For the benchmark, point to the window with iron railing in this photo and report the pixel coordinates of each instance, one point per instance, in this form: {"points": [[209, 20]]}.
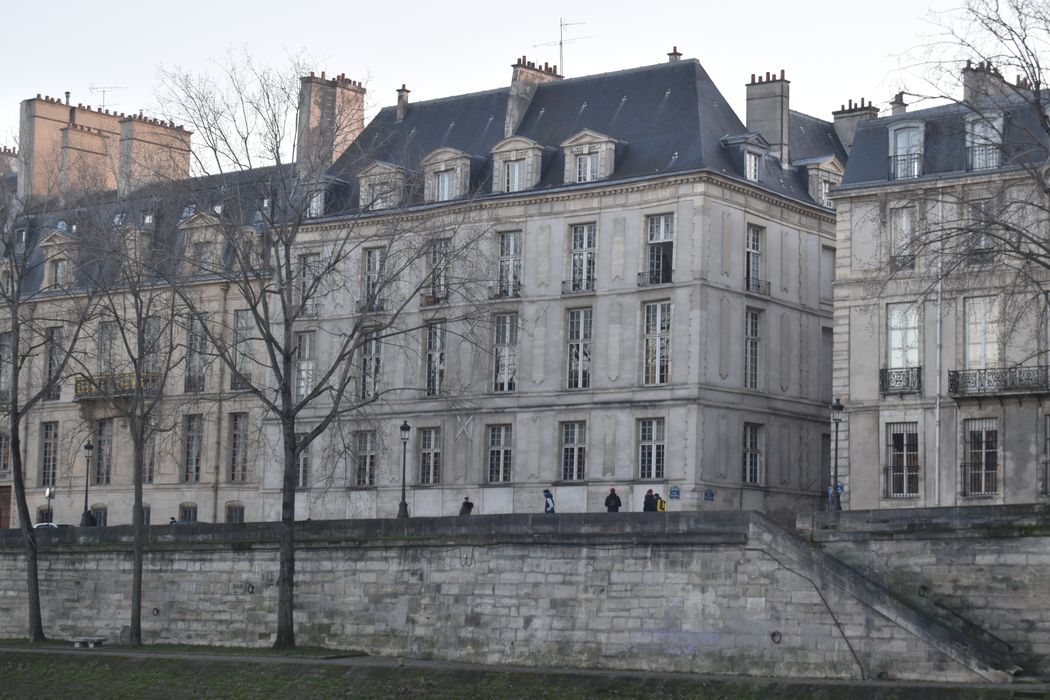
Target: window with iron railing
{"points": [[980, 471], [902, 460]]}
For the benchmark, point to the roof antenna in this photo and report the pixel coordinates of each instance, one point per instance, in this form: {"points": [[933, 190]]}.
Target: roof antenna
{"points": [[104, 89], [560, 43]]}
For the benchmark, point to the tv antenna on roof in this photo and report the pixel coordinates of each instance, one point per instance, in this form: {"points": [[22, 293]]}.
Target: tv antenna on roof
{"points": [[560, 43], [104, 89]]}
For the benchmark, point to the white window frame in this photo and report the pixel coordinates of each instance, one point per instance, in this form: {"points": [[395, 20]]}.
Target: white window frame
{"points": [[902, 336], [509, 278], [981, 327], [578, 351], [588, 166], [501, 453], [752, 455], [906, 155], [903, 467], [192, 447], [651, 448], [102, 460], [514, 175], [573, 450], [445, 185], [302, 463], [752, 349], [371, 351], [430, 455], [434, 339], [751, 162], [375, 258], [365, 458], [505, 352], [238, 450], [659, 248], [656, 343], [48, 453], [305, 359], [753, 256], [583, 241]]}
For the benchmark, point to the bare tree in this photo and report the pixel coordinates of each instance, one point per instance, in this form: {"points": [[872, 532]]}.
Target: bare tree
{"points": [[321, 290]]}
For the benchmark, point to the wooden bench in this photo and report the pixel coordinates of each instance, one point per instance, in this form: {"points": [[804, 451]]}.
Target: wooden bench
{"points": [[88, 642]]}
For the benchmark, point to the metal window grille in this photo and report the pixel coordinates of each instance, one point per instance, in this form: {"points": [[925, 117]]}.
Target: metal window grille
{"points": [[981, 451], [902, 460]]}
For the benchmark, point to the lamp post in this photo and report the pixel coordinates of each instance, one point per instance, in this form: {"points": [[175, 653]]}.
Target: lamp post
{"points": [[87, 519], [402, 509], [49, 493], [835, 500]]}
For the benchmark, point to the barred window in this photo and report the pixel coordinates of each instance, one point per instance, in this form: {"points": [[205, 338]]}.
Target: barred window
{"points": [[234, 513], [188, 513], [752, 473], [238, 446], [365, 457], [902, 460], [192, 446], [651, 448], [981, 452], [752, 348], [430, 456], [573, 451], [500, 453]]}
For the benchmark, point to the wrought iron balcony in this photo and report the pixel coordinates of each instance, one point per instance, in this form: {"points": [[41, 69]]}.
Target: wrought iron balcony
{"points": [[506, 291], [371, 306], [651, 278], [905, 167], [900, 380], [578, 285], [112, 386], [433, 298], [984, 157], [999, 380], [757, 286]]}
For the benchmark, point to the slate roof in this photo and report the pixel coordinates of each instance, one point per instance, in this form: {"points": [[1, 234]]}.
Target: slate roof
{"points": [[666, 118], [944, 141]]}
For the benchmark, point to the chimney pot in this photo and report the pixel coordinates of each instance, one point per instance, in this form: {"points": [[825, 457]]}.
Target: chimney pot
{"points": [[781, 73]]}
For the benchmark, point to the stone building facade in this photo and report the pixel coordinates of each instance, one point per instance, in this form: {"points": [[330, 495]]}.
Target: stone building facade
{"points": [[940, 325], [653, 285]]}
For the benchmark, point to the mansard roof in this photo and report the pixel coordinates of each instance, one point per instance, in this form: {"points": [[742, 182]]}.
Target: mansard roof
{"points": [[666, 118]]}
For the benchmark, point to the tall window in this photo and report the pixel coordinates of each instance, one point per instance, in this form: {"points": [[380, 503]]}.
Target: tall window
{"points": [[53, 343], [982, 332], [751, 166], [444, 185], [906, 161], [242, 349], [381, 195], [107, 345], [315, 207], [430, 456], [435, 343], [188, 513], [101, 515], [374, 259], [48, 453], [509, 283], [903, 224], [365, 457], [505, 351], [500, 453], [981, 452], [234, 513], [150, 352], [370, 365], [651, 448], [308, 289], [579, 350], [573, 451], [752, 468], [581, 257], [302, 464], [149, 457], [902, 336], [513, 175], [304, 364], [58, 273], [587, 167], [753, 260], [192, 446], [196, 347], [752, 349], [902, 460], [660, 253], [984, 217], [7, 358], [657, 350], [238, 446], [983, 143], [439, 263], [5, 455], [103, 451]]}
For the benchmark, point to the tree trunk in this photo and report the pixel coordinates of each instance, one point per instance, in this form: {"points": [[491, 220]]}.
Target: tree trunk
{"points": [[36, 624], [286, 578], [138, 440]]}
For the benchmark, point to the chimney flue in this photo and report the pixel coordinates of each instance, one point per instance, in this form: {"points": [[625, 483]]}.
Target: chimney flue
{"points": [[402, 102], [674, 55]]}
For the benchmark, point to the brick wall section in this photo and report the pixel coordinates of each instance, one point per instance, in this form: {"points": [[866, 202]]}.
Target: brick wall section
{"points": [[717, 592], [984, 569]]}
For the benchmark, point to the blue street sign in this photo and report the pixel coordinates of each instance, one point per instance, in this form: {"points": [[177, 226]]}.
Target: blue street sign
{"points": [[675, 492], [709, 495], [840, 487]]}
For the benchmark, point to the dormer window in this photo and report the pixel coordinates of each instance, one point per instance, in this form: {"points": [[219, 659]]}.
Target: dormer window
{"points": [[316, 207], [906, 152], [444, 185], [517, 163], [446, 175], [984, 143], [589, 156], [147, 218], [380, 186], [587, 167], [379, 196], [514, 175], [57, 273], [751, 160]]}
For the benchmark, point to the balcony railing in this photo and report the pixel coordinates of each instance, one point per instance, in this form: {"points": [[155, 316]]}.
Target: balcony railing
{"points": [[578, 285], [900, 380], [433, 298], [999, 380], [980, 479], [370, 306], [905, 167], [110, 386], [652, 278], [757, 286], [983, 157], [506, 291]]}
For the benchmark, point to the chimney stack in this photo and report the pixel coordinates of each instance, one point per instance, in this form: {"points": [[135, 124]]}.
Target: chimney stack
{"points": [[848, 117], [523, 83], [768, 112], [331, 115], [674, 55], [402, 102], [897, 104], [983, 81]]}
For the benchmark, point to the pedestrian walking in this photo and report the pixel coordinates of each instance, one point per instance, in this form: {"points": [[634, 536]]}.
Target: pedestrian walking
{"points": [[467, 506], [661, 504], [612, 502], [548, 501], [649, 504]]}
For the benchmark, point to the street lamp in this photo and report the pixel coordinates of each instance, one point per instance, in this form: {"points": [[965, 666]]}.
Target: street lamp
{"points": [[87, 519], [835, 500], [49, 493], [402, 509]]}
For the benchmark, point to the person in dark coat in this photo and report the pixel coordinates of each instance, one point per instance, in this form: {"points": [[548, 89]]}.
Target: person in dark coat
{"points": [[612, 502], [649, 504], [548, 501], [467, 506]]}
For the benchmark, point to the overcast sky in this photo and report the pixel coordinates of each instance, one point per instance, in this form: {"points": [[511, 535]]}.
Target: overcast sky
{"points": [[831, 51]]}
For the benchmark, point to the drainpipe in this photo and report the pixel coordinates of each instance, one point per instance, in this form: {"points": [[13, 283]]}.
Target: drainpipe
{"points": [[218, 418], [940, 346]]}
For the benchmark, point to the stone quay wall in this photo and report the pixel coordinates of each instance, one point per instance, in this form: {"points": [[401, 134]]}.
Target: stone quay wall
{"points": [[722, 592]]}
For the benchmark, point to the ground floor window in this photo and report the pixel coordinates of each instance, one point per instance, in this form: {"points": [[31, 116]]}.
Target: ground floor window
{"points": [[902, 460], [981, 452]]}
